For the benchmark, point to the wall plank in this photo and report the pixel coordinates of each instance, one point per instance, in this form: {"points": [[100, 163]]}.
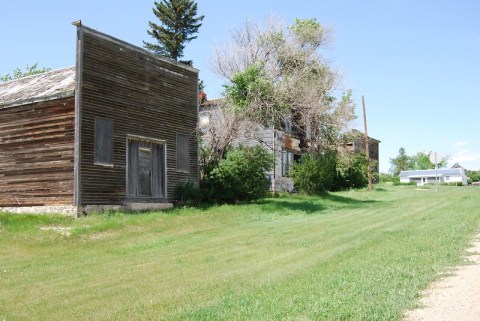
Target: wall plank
{"points": [[36, 154], [143, 96]]}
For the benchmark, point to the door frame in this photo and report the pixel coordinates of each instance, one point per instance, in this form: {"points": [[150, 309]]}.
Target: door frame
{"points": [[150, 140]]}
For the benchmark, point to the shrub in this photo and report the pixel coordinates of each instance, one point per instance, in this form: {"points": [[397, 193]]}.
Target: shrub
{"points": [[384, 177], [188, 192], [351, 172], [315, 173], [238, 177]]}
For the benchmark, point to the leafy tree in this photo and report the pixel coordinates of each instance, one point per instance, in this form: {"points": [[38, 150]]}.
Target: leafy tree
{"points": [[421, 160], [29, 70], [400, 163], [179, 23], [473, 176], [274, 72]]}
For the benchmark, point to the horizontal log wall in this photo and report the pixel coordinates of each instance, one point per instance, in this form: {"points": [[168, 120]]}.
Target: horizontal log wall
{"points": [[144, 96], [36, 154]]}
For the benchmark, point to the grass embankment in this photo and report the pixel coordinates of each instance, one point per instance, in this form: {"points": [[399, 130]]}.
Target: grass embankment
{"points": [[344, 256]]}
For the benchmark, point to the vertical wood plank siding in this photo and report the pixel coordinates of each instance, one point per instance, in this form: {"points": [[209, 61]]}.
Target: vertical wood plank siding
{"points": [[36, 154], [144, 96]]}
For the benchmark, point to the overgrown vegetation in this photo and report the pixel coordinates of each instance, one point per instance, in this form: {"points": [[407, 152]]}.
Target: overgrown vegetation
{"points": [[240, 176], [315, 173], [273, 73], [473, 176], [345, 256], [319, 172]]}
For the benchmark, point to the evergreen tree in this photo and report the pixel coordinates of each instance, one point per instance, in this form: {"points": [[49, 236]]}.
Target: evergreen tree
{"points": [[179, 23]]}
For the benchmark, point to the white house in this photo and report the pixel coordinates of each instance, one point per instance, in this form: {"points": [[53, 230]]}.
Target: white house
{"points": [[429, 176]]}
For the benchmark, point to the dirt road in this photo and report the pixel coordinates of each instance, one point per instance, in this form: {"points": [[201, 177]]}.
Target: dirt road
{"points": [[456, 297]]}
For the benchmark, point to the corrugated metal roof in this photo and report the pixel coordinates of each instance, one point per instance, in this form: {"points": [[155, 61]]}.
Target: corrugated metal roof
{"points": [[49, 85], [431, 172]]}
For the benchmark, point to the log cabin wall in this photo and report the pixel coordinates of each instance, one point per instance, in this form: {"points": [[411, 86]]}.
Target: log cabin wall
{"points": [[36, 153], [143, 95]]}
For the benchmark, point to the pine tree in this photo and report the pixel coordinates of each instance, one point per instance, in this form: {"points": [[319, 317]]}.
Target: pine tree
{"points": [[179, 23]]}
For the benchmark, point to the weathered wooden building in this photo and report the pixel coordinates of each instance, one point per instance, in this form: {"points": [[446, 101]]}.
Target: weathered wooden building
{"points": [[286, 144], [118, 129], [282, 143], [357, 144]]}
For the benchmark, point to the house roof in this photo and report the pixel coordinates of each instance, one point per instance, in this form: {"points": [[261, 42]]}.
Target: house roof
{"points": [[45, 86], [431, 172], [358, 134], [457, 165]]}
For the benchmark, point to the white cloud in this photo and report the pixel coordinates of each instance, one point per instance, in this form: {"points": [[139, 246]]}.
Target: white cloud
{"points": [[461, 143], [466, 158]]}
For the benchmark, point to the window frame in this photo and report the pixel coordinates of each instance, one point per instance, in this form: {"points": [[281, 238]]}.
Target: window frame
{"points": [[288, 158], [158, 178]]}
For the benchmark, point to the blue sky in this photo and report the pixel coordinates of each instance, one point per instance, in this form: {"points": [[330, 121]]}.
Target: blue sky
{"points": [[416, 62]]}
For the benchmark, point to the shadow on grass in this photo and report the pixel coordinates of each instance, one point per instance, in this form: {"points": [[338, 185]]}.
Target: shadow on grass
{"points": [[310, 204], [345, 200], [284, 204]]}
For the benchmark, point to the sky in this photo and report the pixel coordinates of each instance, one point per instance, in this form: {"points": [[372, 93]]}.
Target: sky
{"points": [[417, 63]]}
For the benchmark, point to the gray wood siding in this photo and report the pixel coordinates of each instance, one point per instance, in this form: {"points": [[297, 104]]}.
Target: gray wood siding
{"points": [[143, 96], [36, 154]]}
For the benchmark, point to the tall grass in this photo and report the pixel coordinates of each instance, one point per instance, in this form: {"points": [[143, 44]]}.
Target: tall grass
{"points": [[344, 256]]}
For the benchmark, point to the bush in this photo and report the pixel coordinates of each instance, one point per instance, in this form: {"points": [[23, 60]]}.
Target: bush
{"points": [[239, 177], [385, 178], [315, 173], [188, 193], [351, 172]]}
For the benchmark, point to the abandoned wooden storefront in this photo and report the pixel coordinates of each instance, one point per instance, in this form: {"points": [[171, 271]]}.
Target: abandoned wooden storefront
{"points": [[116, 130]]}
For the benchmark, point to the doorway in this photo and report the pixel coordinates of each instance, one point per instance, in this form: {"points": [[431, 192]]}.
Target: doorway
{"points": [[145, 168]]}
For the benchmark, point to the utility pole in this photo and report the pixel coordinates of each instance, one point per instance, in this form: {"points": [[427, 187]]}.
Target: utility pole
{"points": [[274, 190], [367, 147]]}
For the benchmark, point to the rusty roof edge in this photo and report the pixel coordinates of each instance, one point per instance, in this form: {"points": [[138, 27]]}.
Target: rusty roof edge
{"points": [[65, 94]]}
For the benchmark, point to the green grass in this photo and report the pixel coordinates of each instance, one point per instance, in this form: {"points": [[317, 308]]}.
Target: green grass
{"points": [[343, 256]]}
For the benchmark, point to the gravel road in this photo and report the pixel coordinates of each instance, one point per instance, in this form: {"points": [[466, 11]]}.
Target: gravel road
{"points": [[456, 297]]}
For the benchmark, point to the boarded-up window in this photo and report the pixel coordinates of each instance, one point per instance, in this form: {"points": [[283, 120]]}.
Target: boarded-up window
{"points": [[183, 151], [103, 141]]}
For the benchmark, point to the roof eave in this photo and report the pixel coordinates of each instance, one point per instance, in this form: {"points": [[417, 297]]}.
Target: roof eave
{"points": [[65, 94]]}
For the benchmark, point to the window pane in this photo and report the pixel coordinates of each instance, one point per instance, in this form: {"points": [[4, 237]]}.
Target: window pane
{"points": [[103, 141], [183, 149]]}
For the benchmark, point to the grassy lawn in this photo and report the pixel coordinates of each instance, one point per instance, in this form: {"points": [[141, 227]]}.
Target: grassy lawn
{"points": [[344, 256]]}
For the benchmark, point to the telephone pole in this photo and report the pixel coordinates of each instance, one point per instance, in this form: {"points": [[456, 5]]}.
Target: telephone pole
{"points": [[367, 147]]}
